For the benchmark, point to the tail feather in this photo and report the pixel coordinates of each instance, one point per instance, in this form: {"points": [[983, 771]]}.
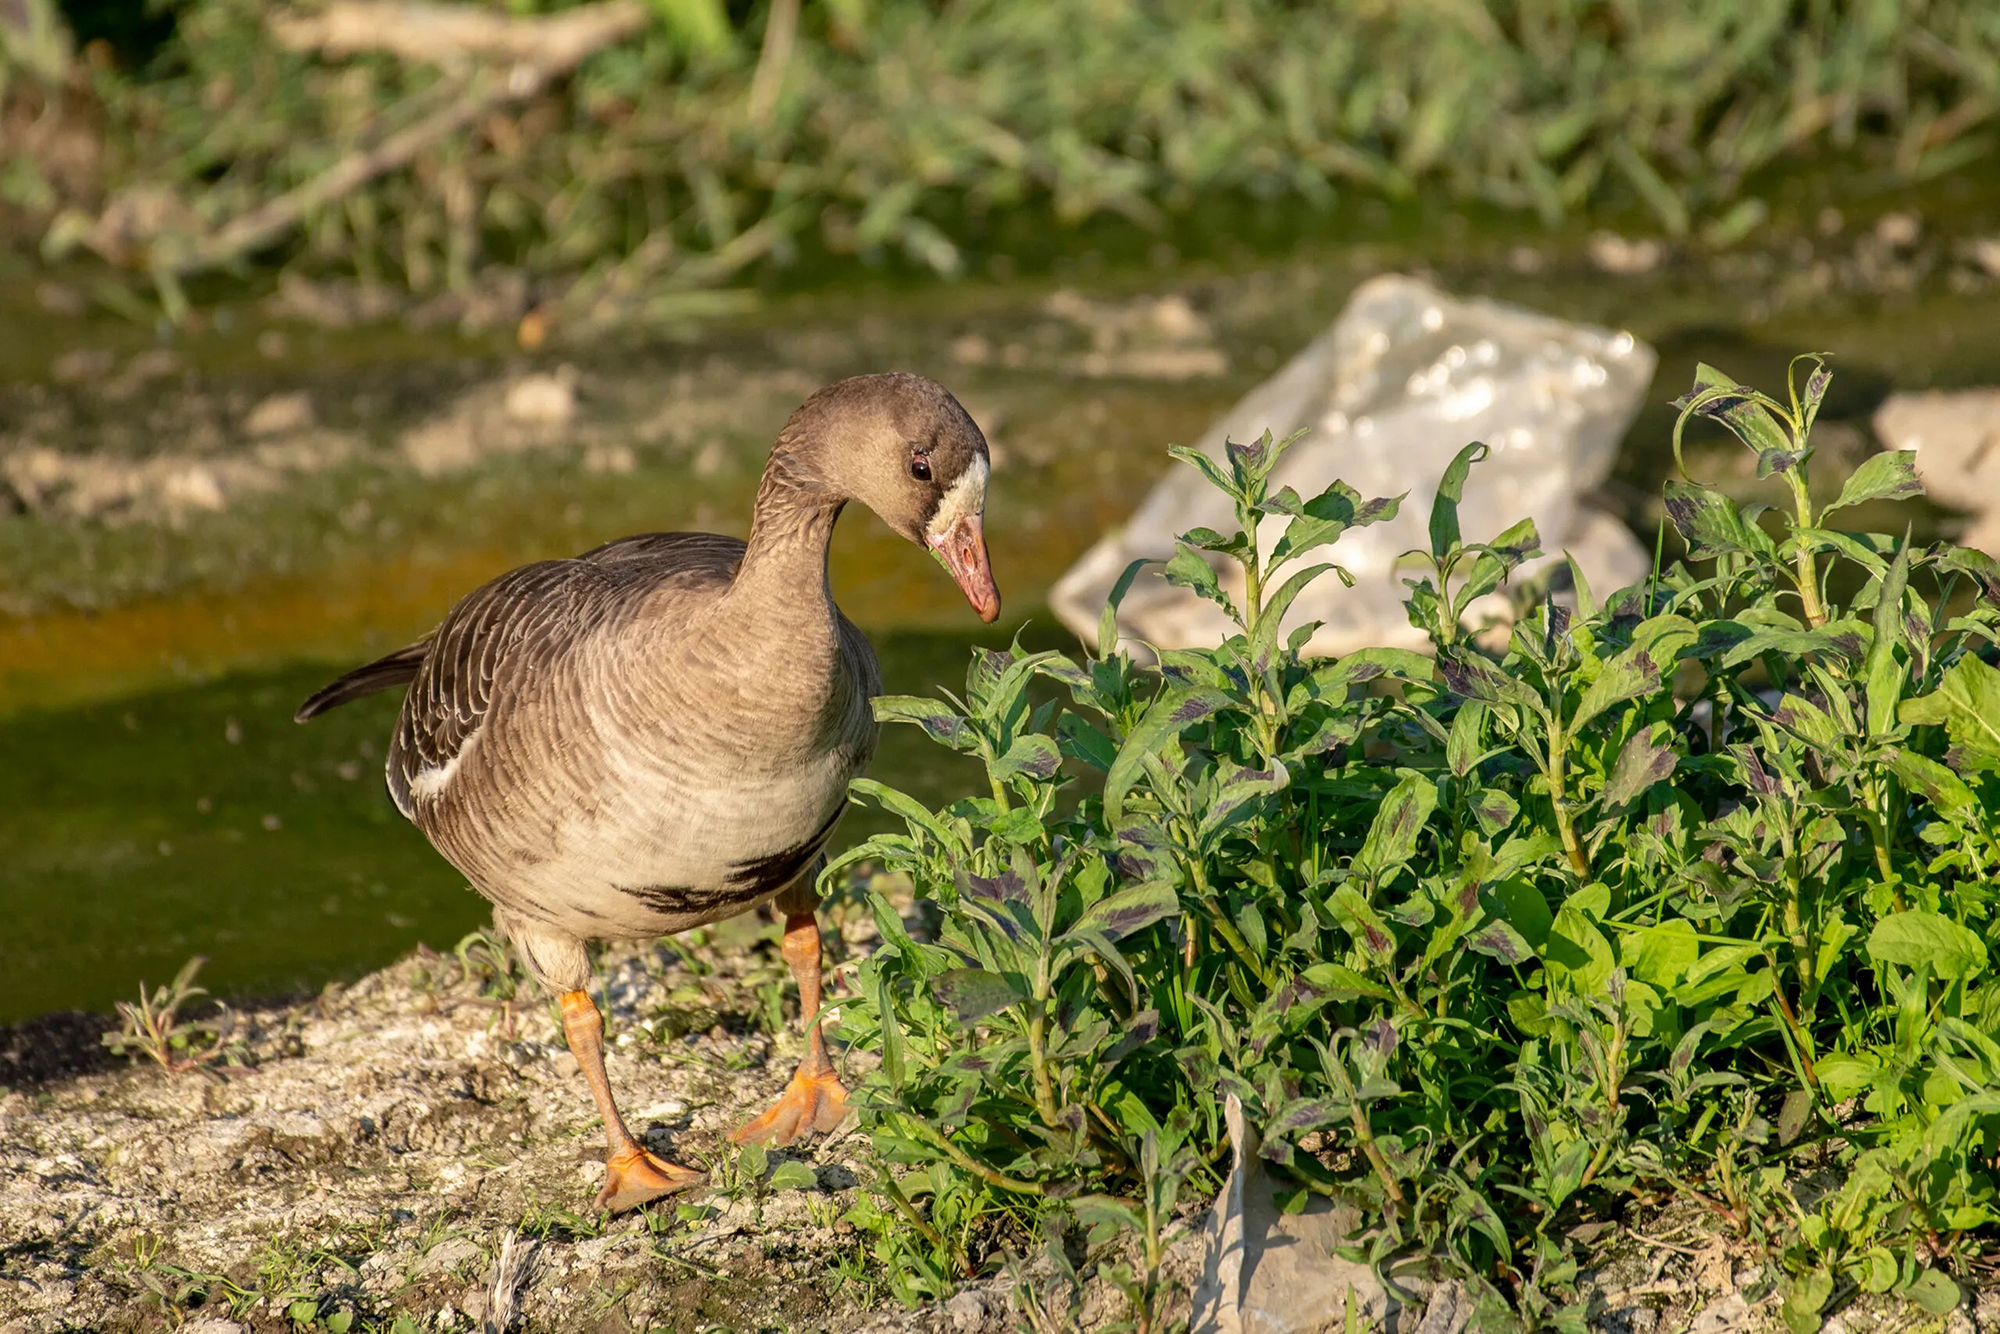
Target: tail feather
{"points": [[398, 669]]}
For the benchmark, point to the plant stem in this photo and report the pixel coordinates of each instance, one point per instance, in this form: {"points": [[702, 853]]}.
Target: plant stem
{"points": [[1366, 1139], [973, 1165], [1038, 1018], [1557, 774], [1803, 558]]}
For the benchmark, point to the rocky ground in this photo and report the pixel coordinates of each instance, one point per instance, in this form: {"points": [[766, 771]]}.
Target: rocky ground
{"points": [[416, 1152]]}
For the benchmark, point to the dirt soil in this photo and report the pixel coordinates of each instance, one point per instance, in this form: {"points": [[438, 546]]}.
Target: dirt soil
{"points": [[416, 1151]]}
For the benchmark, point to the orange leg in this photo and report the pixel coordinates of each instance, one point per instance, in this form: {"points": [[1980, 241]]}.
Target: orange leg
{"points": [[632, 1176], [815, 1099]]}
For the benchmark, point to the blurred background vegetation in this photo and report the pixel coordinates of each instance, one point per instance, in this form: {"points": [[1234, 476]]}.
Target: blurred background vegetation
{"points": [[182, 140]]}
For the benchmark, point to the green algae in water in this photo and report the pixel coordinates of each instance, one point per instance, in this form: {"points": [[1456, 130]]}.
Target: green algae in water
{"points": [[203, 820]]}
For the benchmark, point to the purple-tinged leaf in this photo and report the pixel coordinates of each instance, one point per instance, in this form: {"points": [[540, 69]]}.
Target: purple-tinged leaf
{"points": [[1007, 887], [1140, 1029], [1640, 764], [1131, 909], [1305, 1114], [1502, 942], [972, 994], [1031, 757], [1890, 475]]}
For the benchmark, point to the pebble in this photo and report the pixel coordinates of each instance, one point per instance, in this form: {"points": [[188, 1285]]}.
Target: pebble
{"points": [[1617, 254], [543, 399], [1899, 230], [280, 414]]}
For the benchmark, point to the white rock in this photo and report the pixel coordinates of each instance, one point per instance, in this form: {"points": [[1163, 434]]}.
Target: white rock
{"points": [[967, 1311], [213, 1324], [1956, 436], [1267, 1272], [1405, 378]]}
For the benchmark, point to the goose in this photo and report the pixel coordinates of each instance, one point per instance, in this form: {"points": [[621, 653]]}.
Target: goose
{"points": [[660, 733]]}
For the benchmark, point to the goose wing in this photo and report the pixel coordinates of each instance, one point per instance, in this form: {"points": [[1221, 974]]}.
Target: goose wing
{"points": [[518, 627]]}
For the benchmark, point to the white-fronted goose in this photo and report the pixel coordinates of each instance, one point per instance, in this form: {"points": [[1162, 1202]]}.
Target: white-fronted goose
{"points": [[660, 733]]}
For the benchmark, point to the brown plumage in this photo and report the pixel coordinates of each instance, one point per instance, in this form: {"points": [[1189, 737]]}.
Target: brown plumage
{"points": [[660, 733]]}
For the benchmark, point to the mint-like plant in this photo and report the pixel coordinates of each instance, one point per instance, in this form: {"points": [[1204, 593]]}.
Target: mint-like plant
{"points": [[1687, 891]]}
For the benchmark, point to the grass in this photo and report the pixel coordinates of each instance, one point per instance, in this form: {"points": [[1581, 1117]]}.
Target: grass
{"points": [[718, 139], [1685, 892]]}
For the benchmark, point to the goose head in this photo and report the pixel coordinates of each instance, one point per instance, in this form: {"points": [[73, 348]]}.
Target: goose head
{"points": [[901, 445]]}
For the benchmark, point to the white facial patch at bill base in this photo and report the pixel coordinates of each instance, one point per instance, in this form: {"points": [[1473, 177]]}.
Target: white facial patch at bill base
{"points": [[965, 500]]}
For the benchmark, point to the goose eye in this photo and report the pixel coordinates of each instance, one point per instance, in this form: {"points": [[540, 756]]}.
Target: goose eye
{"points": [[920, 468]]}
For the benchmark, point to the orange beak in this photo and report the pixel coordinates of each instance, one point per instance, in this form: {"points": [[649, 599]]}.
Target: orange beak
{"points": [[962, 550]]}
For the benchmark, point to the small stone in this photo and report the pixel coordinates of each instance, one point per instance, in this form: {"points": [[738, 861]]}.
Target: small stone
{"points": [[280, 414], [272, 345], [213, 1324], [710, 459], [81, 363], [1985, 252], [967, 1311], [1900, 230], [194, 486], [153, 364], [1616, 254], [1956, 437], [614, 459], [972, 349], [543, 399], [442, 446], [1173, 317], [57, 299]]}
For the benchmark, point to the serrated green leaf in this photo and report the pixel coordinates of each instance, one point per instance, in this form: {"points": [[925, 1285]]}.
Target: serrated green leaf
{"points": [[1129, 910], [1920, 937], [972, 994], [1711, 524], [941, 721], [1031, 756], [1451, 489], [1642, 762], [1967, 704], [793, 1175], [1107, 620], [1398, 823], [1891, 475]]}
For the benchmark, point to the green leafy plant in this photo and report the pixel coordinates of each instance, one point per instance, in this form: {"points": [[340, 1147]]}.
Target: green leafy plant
{"points": [[1687, 890], [154, 1029], [718, 136]]}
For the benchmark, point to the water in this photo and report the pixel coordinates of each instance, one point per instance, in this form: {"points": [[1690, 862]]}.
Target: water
{"points": [[160, 802]]}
